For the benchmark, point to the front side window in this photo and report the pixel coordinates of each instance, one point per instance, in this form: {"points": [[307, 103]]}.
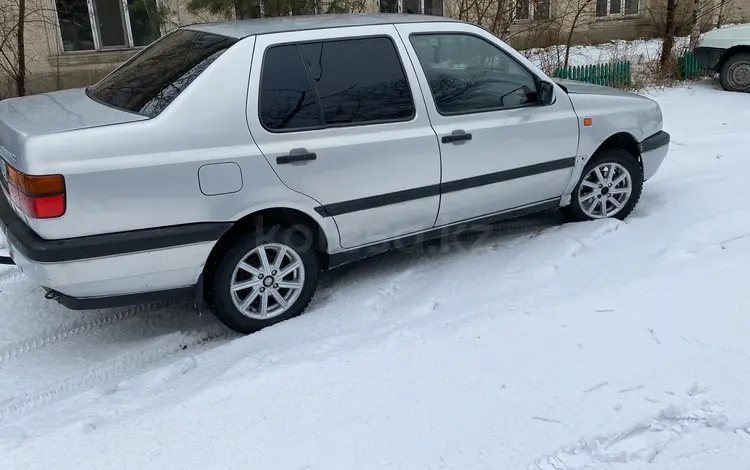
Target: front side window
{"points": [[333, 83], [468, 74], [150, 81], [116, 24]]}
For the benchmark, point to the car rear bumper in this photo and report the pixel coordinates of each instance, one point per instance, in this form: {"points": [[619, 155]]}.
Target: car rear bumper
{"points": [[708, 57], [654, 150], [113, 269]]}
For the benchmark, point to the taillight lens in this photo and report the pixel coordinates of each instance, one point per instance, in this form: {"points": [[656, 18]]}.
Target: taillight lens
{"points": [[41, 197]]}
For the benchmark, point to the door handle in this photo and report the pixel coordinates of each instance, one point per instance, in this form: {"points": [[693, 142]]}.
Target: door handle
{"points": [[295, 156], [459, 135]]}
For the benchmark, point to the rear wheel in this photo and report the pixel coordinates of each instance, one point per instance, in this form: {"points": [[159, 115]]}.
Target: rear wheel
{"points": [[610, 186], [263, 278], [735, 73]]}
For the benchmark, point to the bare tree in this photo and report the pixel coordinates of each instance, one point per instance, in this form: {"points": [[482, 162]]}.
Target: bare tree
{"points": [[15, 17], [695, 30]]}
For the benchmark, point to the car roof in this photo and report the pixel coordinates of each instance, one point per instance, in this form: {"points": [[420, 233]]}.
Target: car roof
{"points": [[242, 28]]}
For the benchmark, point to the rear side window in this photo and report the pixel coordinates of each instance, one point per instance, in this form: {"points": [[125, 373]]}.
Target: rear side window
{"points": [[287, 100], [352, 81], [151, 80]]}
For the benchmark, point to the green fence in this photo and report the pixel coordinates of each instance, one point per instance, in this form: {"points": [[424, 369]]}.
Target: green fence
{"points": [[688, 65], [615, 74]]}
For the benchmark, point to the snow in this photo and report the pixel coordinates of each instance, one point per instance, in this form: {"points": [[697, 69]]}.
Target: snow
{"points": [[531, 345]]}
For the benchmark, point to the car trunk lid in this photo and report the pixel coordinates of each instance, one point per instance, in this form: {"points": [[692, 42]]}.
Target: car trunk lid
{"points": [[24, 118]]}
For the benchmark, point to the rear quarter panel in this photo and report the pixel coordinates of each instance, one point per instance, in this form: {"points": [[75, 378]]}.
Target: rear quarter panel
{"points": [[145, 174]]}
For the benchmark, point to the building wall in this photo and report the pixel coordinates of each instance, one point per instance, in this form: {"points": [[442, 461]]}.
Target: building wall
{"points": [[51, 68]]}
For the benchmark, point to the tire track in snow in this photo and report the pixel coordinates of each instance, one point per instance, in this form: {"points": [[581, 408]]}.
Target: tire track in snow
{"points": [[169, 345], [73, 329], [641, 443]]}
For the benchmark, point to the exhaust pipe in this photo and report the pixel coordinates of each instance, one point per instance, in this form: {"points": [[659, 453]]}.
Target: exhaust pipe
{"points": [[7, 260]]}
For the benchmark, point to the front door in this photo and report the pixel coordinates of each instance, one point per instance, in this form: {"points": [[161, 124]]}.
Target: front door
{"points": [[501, 148], [341, 120]]}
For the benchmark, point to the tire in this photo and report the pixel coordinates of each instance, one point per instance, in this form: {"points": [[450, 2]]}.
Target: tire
{"points": [[581, 209], [734, 74], [297, 248]]}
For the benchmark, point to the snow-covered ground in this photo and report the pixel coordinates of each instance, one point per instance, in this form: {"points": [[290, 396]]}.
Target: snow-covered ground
{"points": [[534, 345]]}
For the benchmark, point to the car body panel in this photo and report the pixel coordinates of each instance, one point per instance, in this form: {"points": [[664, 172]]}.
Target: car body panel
{"points": [[22, 119], [611, 112], [727, 37], [356, 162], [128, 174], [502, 140]]}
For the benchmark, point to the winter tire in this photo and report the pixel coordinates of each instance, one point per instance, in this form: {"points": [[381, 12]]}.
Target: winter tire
{"points": [[263, 278], [610, 186], [735, 73]]}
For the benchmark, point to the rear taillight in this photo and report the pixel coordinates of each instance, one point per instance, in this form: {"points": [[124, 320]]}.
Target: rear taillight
{"points": [[40, 197]]}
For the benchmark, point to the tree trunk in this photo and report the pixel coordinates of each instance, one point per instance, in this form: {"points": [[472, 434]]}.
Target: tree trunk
{"points": [[669, 26], [21, 72], [695, 31], [580, 10], [721, 13]]}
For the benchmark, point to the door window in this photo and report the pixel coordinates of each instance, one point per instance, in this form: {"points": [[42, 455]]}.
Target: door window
{"points": [[334, 83], [468, 74], [287, 100]]}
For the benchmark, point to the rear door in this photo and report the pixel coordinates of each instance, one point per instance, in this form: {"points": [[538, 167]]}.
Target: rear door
{"points": [[340, 118], [501, 148]]}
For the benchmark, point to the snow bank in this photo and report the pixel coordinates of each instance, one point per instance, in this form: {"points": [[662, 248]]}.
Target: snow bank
{"points": [[608, 345]]}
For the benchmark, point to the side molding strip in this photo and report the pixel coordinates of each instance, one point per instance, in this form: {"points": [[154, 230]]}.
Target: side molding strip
{"points": [[346, 207]]}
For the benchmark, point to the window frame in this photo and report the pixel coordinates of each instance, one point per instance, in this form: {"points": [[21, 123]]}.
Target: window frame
{"points": [[127, 29], [537, 79], [617, 16], [532, 14], [400, 4], [324, 126]]}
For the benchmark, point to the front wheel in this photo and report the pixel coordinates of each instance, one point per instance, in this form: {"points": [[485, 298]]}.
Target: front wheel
{"points": [[263, 278], [610, 186]]}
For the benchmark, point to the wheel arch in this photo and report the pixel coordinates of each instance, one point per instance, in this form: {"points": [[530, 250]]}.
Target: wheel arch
{"points": [[729, 53], [267, 217], [621, 140]]}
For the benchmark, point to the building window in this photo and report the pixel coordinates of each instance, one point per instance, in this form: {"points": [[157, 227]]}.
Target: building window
{"points": [[426, 7], [616, 8], [88, 25], [532, 10]]}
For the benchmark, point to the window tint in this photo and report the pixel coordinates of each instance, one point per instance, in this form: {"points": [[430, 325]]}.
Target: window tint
{"points": [[468, 74], [358, 80], [150, 81], [287, 100]]}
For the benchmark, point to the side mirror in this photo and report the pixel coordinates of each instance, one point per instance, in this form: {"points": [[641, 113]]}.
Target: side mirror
{"points": [[546, 93]]}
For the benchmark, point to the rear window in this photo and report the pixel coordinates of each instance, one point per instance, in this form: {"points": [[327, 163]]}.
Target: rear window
{"points": [[151, 80]]}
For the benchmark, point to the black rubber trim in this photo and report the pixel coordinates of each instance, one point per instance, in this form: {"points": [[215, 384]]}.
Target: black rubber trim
{"points": [[709, 57], [35, 248], [7, 260], [92, 303], [660, 139], [507, 175], [381, 200], [355, 254], [340, 208]]}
